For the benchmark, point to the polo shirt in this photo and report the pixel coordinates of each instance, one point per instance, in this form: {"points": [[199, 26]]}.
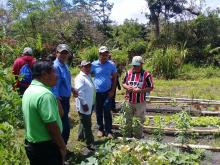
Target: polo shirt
{"points": [[39, 107], [63, 85], [103, 75]]}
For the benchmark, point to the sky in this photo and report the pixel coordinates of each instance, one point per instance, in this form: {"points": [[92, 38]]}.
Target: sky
{"points": [[135, 9]]}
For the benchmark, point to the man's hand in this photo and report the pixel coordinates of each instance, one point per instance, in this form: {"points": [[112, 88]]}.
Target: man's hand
{"points": [[85, 108], [129, 88], [75, 93], [63, 154], [137, 90], [111, 93]]}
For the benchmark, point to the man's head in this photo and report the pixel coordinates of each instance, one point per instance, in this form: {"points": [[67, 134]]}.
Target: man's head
{"points": [[86, 66], [45, 73], [63, 52], [103, 54], [137, 62], [28, 51]]}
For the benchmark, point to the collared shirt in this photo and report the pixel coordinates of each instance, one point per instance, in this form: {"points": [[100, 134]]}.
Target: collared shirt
{"points": [[63, 85], [39, 107], [103, 75], [141, 80], [86, 92]]}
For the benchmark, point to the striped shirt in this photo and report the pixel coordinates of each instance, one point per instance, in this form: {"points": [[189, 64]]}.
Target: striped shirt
{"points": [[141, 80]]}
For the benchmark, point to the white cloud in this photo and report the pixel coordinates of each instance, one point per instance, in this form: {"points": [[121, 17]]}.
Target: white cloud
{"points": [[123, 9], [134, 9]]}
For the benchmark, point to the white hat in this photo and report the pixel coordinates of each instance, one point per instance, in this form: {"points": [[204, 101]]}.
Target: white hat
{"points": [[137, 60], [62, 47], [103, 49], [28, 51], [84, 63]]}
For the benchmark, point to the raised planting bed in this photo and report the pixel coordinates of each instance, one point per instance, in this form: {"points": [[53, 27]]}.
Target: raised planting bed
{"points": [[174, 131]]}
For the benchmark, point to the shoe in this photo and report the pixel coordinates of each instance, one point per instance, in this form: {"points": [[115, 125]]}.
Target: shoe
{"points": [[99, 134], [110, 136]]}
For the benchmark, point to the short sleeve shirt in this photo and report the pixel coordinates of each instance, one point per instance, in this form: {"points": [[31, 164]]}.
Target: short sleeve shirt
{"points": [[63, 85], [39, 107], [103, 75]]}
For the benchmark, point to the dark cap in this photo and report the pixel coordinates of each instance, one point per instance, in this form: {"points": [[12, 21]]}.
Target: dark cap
{"points": [[63, 47]]}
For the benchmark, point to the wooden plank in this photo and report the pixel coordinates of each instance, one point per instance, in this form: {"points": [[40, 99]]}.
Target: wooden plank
{"points": [[194, 146], [174, 131], [187, 146]]}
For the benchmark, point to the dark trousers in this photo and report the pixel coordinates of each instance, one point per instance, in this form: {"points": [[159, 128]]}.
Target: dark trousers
{"points": [[103, 108], [43, 153], [65, 102], [85, 129]]}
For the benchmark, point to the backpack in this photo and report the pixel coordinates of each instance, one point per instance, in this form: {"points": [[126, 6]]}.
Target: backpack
{"points": [[26, 74]]}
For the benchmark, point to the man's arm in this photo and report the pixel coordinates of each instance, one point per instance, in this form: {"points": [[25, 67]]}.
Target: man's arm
{"points": [[55, 134], [114, 82], [60, 108]]}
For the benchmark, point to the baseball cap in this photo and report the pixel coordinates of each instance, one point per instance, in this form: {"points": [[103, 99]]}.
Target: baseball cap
{"points": [[28, 51], [84, 63], [62, 47], [103, 49], [137, 61]]}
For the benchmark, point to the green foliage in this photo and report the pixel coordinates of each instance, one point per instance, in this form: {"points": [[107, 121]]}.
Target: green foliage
{"points": [[9, 51], [10, 101], [119, 56], [128, 32], [89, 54], [140, 152], [158, 133], [167, 62], [190, 72], [11, 151], [136, 48]]}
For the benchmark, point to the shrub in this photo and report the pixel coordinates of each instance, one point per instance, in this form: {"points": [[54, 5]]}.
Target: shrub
{"points": [[167, 62], [89, 54], [136, 48], [11, 151], [10, 101], [119, 56]]}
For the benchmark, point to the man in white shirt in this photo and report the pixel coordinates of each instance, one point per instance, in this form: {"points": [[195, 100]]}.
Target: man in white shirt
{"points": [[85, 103]]}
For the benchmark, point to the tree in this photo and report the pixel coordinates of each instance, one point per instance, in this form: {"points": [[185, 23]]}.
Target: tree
{"points": [[167, 9]]}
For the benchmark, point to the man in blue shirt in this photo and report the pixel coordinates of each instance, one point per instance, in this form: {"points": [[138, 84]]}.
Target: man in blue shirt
{"points": [[105, 74], [63, 87]]}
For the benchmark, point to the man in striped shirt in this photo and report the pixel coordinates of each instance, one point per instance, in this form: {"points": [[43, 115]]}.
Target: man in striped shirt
{"points": [[137, 82]]}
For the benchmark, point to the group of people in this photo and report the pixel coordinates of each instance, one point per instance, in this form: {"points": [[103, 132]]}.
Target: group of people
{"points": [[46, 101]]}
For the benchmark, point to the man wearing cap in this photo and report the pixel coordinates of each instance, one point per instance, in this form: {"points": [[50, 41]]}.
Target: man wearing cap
{"points": [[137, 82], [105, 74], [85, 103], [25, 58], [63, 87]]}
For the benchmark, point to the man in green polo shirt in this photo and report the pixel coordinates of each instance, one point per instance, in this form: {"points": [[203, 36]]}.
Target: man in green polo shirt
{"points": [[44, 144]]}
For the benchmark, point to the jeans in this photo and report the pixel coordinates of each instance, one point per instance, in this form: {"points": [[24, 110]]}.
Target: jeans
{"points": [[103, 108], [65, 102], [43, 153], [85, 130]]}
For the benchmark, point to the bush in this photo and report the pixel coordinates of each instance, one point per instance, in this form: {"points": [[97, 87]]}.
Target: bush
{"points": [[167, 62], [119, 56], [90, 54], [11, 151], [10, 101], [136, 48]]}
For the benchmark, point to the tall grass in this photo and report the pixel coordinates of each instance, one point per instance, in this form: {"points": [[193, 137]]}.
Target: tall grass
{"points": [[168, 62], [190, 72]]}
